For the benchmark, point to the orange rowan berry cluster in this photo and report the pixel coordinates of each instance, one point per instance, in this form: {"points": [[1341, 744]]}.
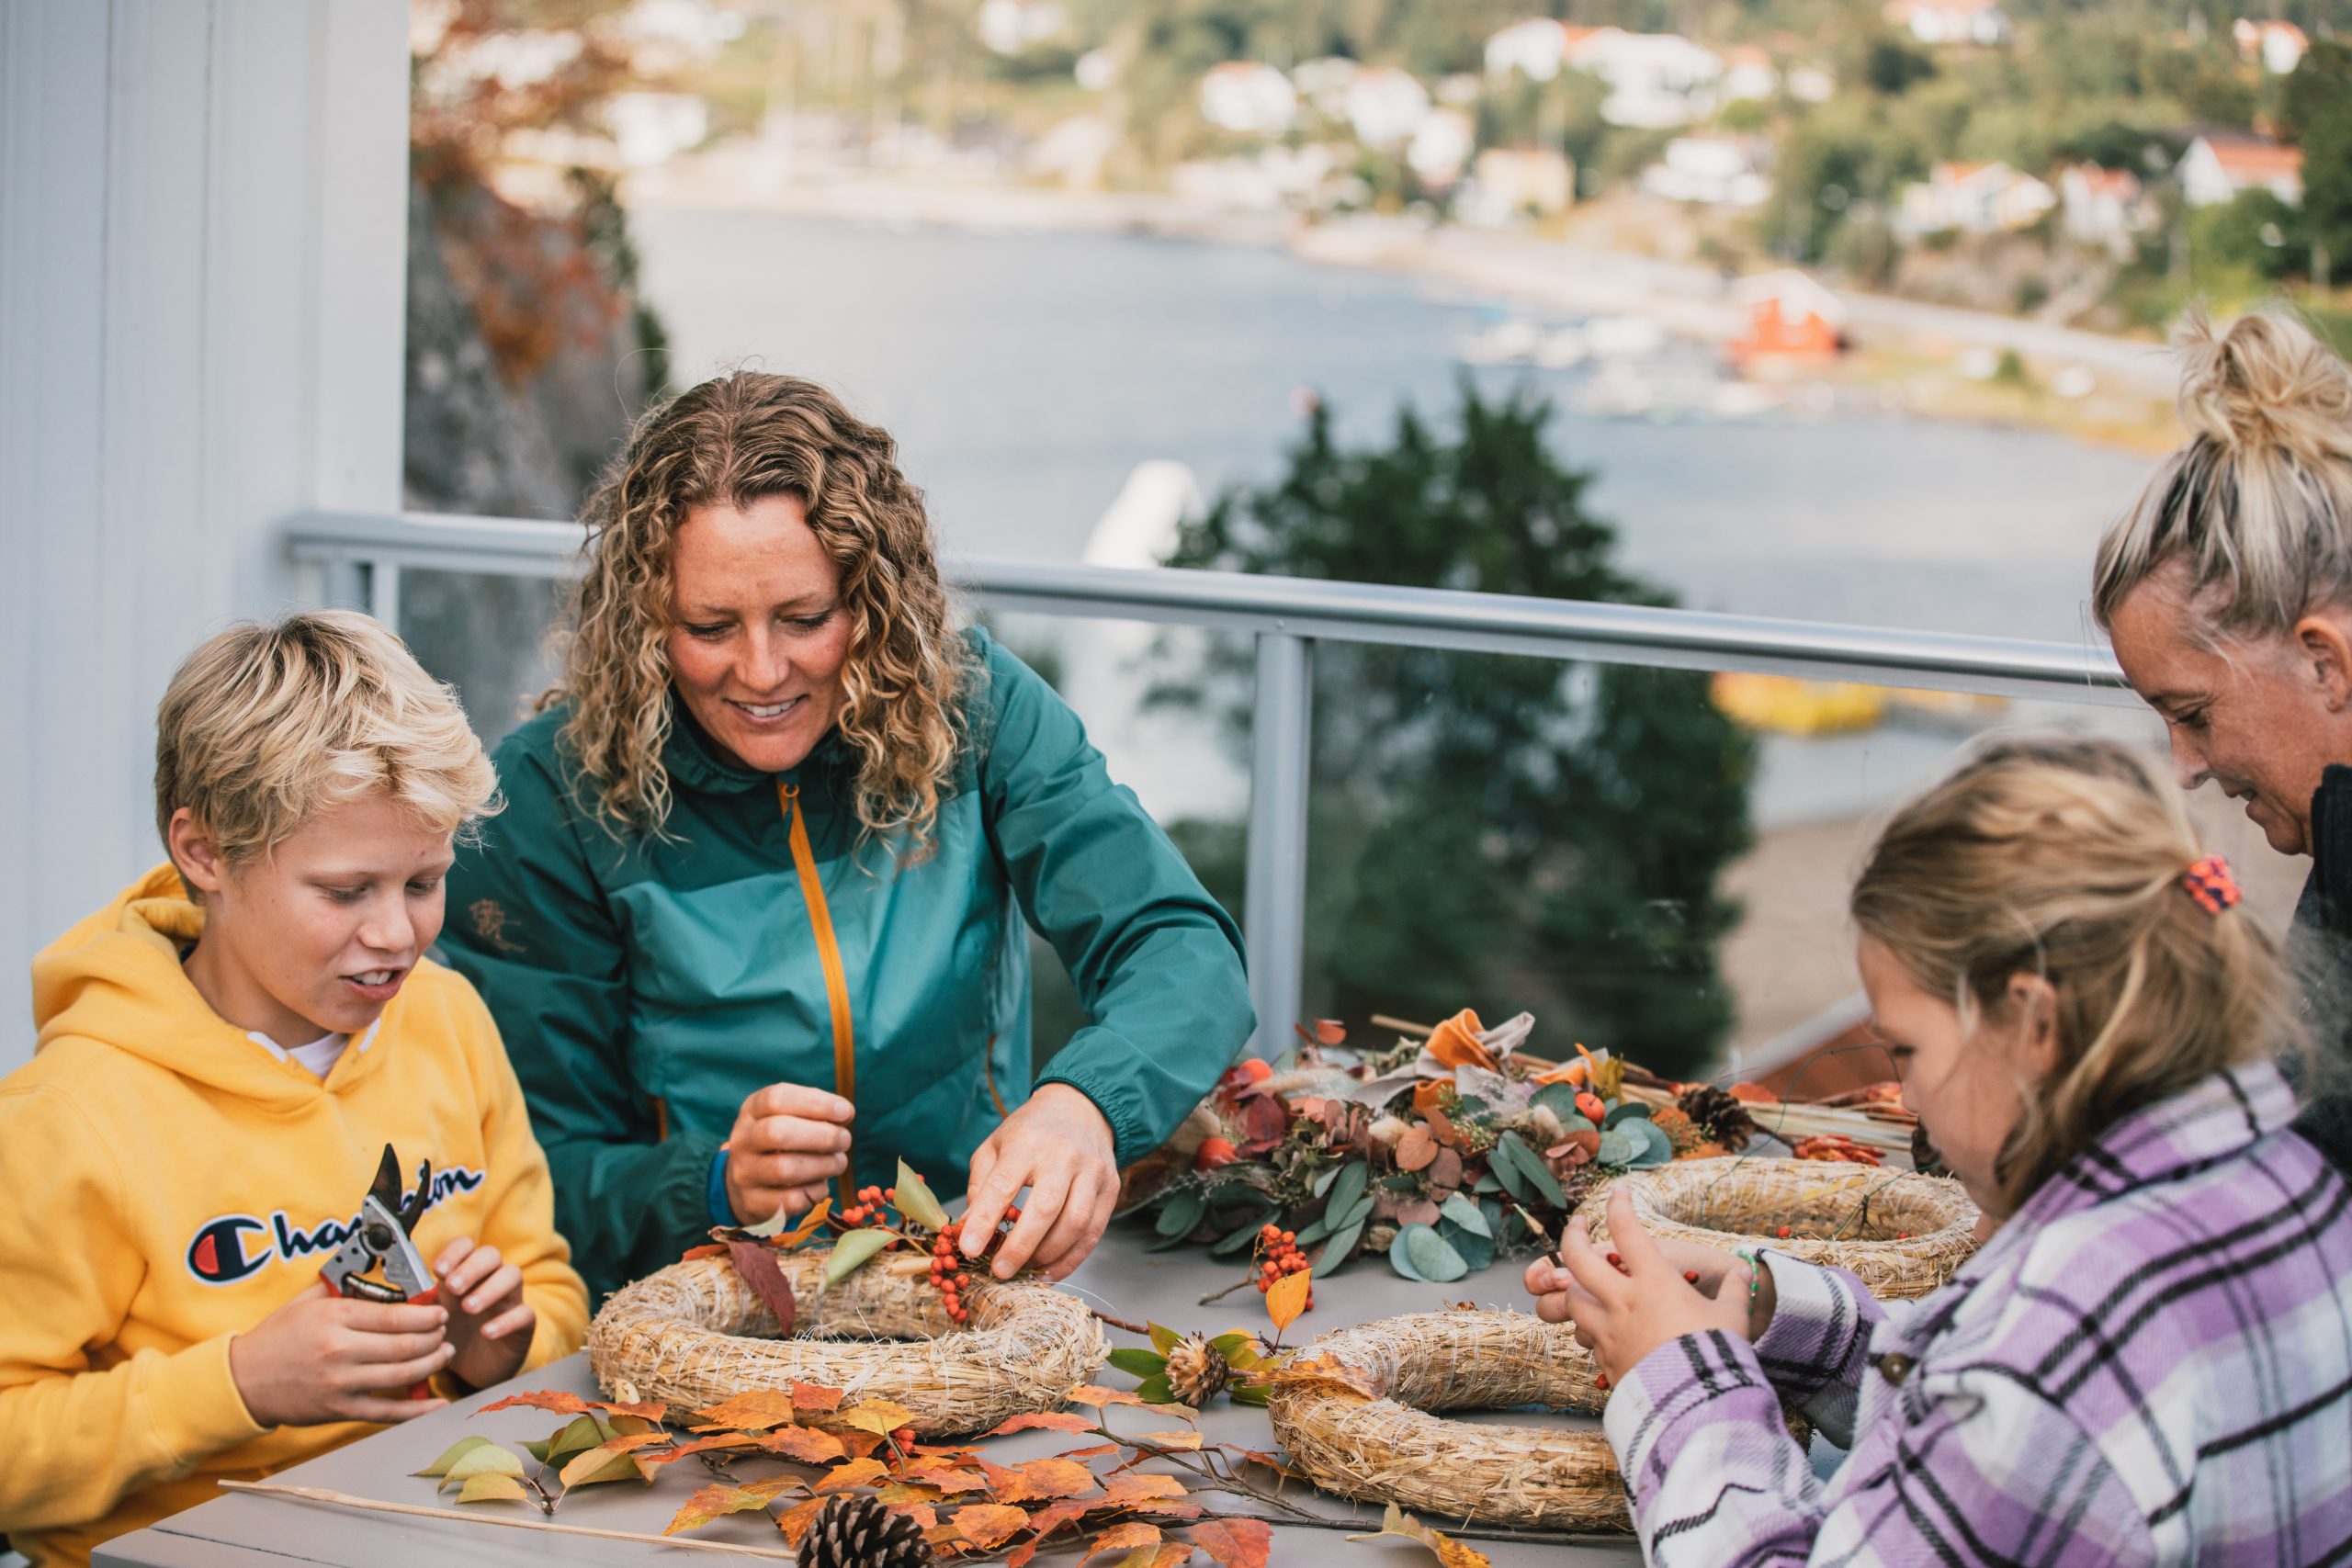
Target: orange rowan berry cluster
{"points": [[870, 1200], [947, 1263], [1278, 1255]]}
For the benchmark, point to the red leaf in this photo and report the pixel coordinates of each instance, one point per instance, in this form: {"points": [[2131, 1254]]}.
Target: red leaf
{"points": [[1330, 1031], [815, 1396], [707, 1249], [1416, 1149], [757, 1266], [563, 1403], [1235, 1543]]}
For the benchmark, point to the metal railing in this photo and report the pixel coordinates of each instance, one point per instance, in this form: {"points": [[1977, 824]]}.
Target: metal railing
{"points": [[362, 556]]}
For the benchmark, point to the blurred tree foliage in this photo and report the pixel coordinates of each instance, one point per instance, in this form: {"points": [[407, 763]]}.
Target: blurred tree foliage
{"points": [[1496, 831], [2318, 109]]}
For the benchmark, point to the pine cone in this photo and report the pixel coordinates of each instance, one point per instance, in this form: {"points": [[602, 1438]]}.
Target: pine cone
{"points": [[853, 1531], [1721, 1114], [1197, 1371]]}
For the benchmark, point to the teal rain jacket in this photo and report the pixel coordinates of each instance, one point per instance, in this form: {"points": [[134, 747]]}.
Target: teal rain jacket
{"points": [[645, 989]]}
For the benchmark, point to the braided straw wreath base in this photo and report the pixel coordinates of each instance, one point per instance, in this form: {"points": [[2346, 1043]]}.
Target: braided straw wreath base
{"points": [[1843, 1216], [1392, 1449], [694, 1334]]}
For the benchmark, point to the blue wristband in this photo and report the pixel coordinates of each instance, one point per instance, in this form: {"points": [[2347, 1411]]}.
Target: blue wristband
{"points": [[722, 1212]]}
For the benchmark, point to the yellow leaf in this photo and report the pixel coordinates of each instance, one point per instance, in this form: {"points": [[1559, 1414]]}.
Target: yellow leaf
{"points": [[808, 1225], [916, 1201], [487, 1460], [721, 1498], [1170, 1439], [1287, 1298], [1450, 1552], [455, 1452], [490, 1488], [879, 1416], [1096, 1394], [602, 1463], [1163, 1339]]}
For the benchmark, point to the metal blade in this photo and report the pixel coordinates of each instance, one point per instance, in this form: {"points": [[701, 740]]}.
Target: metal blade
{"points": [[413, 1209], [386, 1188]]}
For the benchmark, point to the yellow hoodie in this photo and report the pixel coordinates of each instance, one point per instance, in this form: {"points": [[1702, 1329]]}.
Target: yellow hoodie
{"points": [[167, 1182]]}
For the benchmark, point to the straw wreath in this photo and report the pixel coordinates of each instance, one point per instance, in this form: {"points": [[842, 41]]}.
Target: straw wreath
{"points": [[1354, 1413], [1903, 1234], [694, 1334]]}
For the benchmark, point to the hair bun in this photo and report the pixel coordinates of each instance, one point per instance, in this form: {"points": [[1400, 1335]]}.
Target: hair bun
{"points": [[2263, 381]]}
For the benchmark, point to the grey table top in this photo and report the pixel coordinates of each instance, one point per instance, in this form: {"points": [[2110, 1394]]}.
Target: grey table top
{"points": [[1121, 1279]]}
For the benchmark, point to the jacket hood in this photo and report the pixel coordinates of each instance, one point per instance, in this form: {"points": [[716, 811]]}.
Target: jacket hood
{"points": [[116, 979]]}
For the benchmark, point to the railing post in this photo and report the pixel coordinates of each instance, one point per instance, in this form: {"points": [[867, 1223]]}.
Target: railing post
{"points": [[1280, 754], [343, 583], [384, 593]]}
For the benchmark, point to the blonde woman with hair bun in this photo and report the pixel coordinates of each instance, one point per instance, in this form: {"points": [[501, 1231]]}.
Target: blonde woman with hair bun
{"points": [[2227, 591], [756, 920]]}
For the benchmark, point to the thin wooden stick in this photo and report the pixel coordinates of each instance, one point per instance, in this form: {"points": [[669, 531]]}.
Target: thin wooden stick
{"points": [[346, 1500], [1121, 1323], [1401, 1025], [1468, 1532]]}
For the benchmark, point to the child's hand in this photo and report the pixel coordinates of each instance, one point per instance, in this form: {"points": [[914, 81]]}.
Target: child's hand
{"points": [[490, 1324], [326, 1358], [1621, 1316]]}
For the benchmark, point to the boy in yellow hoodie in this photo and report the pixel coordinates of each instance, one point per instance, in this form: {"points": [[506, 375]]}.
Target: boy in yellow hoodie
{"points": [[225, 1051]]}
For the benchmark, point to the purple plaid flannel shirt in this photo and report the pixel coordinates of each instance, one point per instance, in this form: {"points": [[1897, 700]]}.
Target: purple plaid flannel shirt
{"points": [[2151, 1364]]}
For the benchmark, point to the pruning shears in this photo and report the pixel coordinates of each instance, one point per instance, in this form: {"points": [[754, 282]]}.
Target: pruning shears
{"points": [[378, 1260]]}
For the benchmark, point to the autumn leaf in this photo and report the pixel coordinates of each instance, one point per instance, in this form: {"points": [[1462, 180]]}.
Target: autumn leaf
{"points": [[754, 1411], [808, 1225], [1164, 1338], [986, 1524], [1169, 1440], [723, 1442], [803, 1445], [851, 1252], [946, 1477], [1097, 1395], [493, 1489], [1286, 1298], [1329, 1371], [1134, 1487], [916, 1201], [1235, 1543], [1416, 1148], [487, 1460], [1123, 1538], [858, 1445], [602, 1463], [1056, 1477], [1097, 1452], [795, 1521], [879, 1416], [1450, 1552], [756, 1267], [455, 1452], [1052, 1517], [1048, 1420], [855, 1472], [562, 1403], [906, 1494], [1166, 1555], [707, 1249], [722, 1498], [815, 1396]]}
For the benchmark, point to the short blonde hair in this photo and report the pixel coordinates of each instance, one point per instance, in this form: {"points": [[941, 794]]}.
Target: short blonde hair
{"points": [[2257, 507], [2064, 858], [264, 724]]}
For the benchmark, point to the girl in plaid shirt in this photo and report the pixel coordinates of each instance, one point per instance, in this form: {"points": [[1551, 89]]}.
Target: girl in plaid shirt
{"points": [[2150, 1361]]}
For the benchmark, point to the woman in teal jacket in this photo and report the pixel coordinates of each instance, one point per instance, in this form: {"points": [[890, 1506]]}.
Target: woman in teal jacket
{"points": [[752, 921]]}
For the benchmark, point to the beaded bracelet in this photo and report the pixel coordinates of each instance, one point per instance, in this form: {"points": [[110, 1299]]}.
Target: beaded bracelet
{"points": [[1748, 1255]]}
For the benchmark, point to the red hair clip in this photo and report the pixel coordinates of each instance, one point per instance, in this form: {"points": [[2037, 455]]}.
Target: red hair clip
{"points": [[2209, 883]]}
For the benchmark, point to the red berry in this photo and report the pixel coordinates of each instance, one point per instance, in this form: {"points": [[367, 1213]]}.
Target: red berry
{"points": [[1600, 1380], [962, 1281], [1782, 1233], [1692, 1275]]}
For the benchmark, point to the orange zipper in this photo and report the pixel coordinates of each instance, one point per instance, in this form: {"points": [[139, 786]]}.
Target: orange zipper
{"points": [[828, 954]]}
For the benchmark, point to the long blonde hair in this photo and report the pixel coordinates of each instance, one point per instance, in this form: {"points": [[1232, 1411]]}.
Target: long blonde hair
{"points": [[2257, 506], [738, 440], [2064, 858]]}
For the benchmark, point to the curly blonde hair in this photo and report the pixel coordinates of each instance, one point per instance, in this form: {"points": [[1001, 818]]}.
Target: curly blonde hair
{"points": [[737, 440], [2061, 857]]}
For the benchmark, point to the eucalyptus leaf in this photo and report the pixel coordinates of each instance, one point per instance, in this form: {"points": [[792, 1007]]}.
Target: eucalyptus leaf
{"points": [[1616, 1148], [1357, 1215], [1400, 1259], [1560, 1099], [1464, 1212], [1433, 1256], [1508, 1177], [1487, 1182], [1323, 1182], [1343, 1242], [1530, 1164], [1181, 1213], [1476, 1250], [1138, 1363], [1315, 1232], [1468, 1105], [1626, 1110], [851, 1252], [1227, 1245], [1348, 1187]]}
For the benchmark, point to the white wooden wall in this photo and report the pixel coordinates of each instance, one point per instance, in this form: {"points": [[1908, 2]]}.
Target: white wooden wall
{"points": [[202, 224]]}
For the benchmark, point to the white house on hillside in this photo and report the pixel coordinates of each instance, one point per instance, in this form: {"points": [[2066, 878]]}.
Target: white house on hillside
{"points": [[1951, 21], [1711, 171], [1748, 72], [1386, 106], [1247, 96], [2280, 46], [2217, 168], [1536, 48], [1973, 198], [1440, 148], [2102, 207], [1656, 80]]}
